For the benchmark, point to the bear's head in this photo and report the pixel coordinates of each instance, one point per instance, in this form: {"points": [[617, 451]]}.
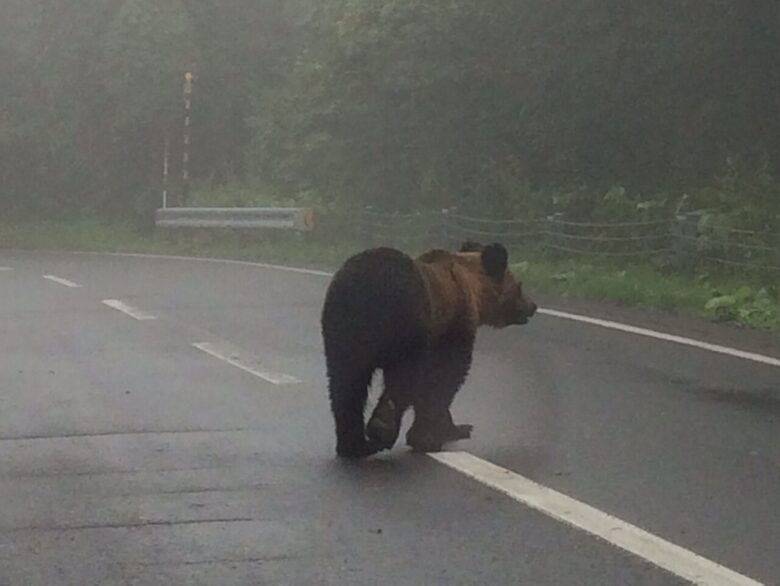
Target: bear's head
{"points": [[502, 302]]}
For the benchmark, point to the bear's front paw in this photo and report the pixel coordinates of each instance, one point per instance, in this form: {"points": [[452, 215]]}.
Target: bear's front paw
{"points": [[355, 450]]}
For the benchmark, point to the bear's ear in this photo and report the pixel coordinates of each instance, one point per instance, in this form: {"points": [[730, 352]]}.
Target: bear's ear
{"points": [[471, 246], [495, 259]]}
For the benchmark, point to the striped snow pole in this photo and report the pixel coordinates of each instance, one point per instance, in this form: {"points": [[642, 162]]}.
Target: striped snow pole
{"points": [[185, 157], [166, 152]]}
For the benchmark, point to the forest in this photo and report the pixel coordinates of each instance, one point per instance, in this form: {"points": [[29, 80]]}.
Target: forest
{"points": [[599, 109]]}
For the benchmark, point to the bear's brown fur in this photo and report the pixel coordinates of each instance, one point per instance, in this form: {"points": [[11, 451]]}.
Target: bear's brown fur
{"points": [[416, 319]]}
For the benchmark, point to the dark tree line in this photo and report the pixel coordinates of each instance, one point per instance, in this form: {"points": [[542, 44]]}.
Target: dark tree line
{"points": [[501, 106]]}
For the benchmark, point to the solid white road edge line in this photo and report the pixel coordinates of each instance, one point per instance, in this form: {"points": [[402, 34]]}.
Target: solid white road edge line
{"points": [[672, 558], [128, 310], [662, 336], [231, 355], [736, 353], [61, 281]]}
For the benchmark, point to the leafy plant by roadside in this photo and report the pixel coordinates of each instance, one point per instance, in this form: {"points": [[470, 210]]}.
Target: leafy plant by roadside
{"points": [[748, 306]]}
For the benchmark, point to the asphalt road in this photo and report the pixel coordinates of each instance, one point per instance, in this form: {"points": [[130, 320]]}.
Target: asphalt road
{"points": [[129, 456]]}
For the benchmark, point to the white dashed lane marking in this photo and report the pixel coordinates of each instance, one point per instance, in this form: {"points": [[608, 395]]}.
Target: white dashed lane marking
{"points": [[235, 357], [61, 281], [128, 310]]}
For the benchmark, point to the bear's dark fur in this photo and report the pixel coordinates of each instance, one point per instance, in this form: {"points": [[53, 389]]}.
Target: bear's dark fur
{"points": [[416, 320]]}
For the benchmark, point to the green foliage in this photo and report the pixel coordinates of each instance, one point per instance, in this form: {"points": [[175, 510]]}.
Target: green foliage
{"points": [[715, 298], [639, 284], [92, 88], [146, 49], [600, 109], [756, 308], [491, 105], [615, 204], [237, 194]]}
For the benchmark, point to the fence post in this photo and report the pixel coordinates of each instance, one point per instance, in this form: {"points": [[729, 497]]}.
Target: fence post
{"points": [[685, 232], [551, 240], [366, 234], [449, 232], [400, 232], [444, 229]]}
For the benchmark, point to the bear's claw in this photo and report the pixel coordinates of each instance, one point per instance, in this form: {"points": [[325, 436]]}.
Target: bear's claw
{"points": [[430, 441], [459, 432]]}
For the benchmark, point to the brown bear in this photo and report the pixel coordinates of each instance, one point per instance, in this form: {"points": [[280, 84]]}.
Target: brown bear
{"points": [[416, 320]]}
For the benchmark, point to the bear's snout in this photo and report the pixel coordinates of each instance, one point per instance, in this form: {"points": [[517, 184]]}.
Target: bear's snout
{"points": [[526, 309]]}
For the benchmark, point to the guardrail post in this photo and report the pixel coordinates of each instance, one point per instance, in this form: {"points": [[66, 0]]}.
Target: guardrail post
{"points": [[685, 233]]}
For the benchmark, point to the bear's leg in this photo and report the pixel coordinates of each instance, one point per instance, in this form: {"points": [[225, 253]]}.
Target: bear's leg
{"points": [[348, 394], [401, 384], [446, 368]]}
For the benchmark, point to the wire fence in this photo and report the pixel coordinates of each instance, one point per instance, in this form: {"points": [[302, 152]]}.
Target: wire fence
{"points": [[685, 241]]}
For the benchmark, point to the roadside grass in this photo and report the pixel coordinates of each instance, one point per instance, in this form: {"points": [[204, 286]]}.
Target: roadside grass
{"points": [[713, 297], [85, 234], [94, 236], [717, 298], [641, 284]]}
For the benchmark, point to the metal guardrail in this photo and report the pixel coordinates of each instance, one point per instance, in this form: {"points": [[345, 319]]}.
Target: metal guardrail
{"points": [[300, 219]]}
